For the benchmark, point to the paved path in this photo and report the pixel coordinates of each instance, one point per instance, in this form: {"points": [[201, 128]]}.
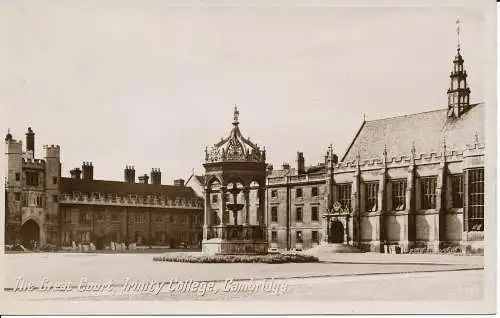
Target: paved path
{"points": [[103, 267], [335, 270], [437, 286], [466, 285]]}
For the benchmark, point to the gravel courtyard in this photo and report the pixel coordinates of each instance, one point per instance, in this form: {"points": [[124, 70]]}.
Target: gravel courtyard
{"points": [[367, 276]]}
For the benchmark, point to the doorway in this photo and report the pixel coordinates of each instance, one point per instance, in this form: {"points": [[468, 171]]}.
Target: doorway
{"points": [[336, 232], [30, 233]]}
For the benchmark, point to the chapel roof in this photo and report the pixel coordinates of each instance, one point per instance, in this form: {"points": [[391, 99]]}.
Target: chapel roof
{"points": [[425, 131]]}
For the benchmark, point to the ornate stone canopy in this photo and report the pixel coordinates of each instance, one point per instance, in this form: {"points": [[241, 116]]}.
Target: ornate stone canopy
{"points": [[235, 221], [235, 147]]}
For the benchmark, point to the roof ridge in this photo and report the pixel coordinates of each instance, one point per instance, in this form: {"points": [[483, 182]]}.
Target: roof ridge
{"points": [[354, 140], [408, 115], [121, 182], [419, 113], [189, 178], [400, 132]]}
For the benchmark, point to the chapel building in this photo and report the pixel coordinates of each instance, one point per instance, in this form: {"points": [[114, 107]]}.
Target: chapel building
{"points": [[413, 181]]}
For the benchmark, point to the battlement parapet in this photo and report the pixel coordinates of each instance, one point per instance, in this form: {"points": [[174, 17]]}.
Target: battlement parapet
{"points": [[131, 200], [52, 151], [371, 162], [33, 163], [406, 160], [475, 147], [14, 147], [400, 159], [51, 147], [345, 164], [455, 155], [14, 141]]}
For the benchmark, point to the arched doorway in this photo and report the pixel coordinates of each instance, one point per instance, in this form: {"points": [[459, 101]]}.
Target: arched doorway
{"points": [[336, 232], [30, 233]]}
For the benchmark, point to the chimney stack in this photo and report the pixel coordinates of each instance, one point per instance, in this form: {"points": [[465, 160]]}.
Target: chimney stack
{"points": [[129, 174], [179, 182], [144, 179], [88, 171], [75, 173], [30, 141], [301, 163], [269, 168], [335, 159], [155, 176]]}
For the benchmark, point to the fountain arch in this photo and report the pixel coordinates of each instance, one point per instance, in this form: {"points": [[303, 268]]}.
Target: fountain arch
{"points": [[239, 166]]}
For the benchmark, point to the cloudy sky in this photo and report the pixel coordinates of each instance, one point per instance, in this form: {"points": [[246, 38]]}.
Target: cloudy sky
{"points": [[151, 84]]}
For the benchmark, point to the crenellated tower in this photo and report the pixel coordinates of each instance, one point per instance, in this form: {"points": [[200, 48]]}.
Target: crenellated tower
{"points": [[13, 183], [52, 180], [331, 159]]}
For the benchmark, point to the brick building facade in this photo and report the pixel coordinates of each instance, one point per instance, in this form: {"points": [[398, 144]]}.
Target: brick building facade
{"points": [[45, 207]]}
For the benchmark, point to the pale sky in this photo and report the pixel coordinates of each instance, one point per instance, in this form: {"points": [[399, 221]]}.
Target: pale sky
{"points": [[147, 84]]}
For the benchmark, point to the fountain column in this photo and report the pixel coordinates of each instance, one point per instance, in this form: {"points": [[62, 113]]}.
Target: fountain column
{"points": [[208, 208], [262, 202], [222, 212], [222, 206], [246, 192], [234, 206]]}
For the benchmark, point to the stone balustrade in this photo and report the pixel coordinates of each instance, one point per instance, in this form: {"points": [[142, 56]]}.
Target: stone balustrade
{"points": [[299, 178], [136, 201]]}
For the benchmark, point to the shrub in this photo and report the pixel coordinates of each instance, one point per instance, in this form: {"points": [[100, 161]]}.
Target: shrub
{"points": [[451, 250], [268, 258], [446, 250], [49, 248], [14, 248]]}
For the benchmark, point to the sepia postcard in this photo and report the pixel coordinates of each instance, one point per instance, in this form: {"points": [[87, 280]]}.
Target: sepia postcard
{"points": [[248, 157]]}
